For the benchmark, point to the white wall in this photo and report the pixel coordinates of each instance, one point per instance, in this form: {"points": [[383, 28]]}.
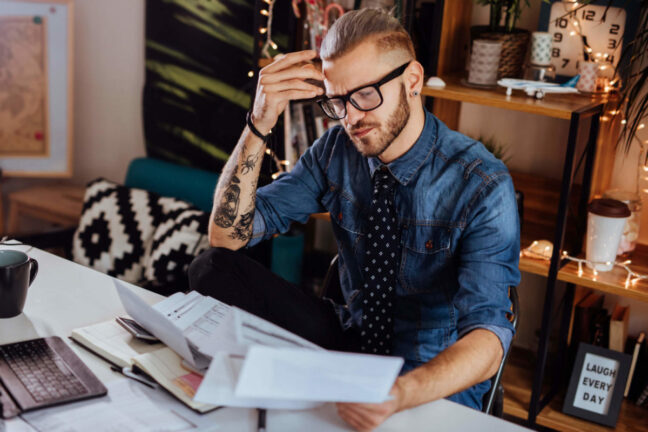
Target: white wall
{"points": [[109, 77]]}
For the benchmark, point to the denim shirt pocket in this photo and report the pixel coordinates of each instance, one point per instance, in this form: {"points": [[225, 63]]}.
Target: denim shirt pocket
{"points": [[425, 258], [346, 217]]}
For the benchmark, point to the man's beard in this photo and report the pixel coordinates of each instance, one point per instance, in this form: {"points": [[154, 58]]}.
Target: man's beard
{"points": [[375, 146]]}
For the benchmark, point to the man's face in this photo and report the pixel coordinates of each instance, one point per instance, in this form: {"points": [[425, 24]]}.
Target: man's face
{"points": [[370, 131]]}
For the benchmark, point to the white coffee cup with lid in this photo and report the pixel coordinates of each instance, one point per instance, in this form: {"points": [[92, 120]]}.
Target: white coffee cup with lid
{"points": [[605, 221]]}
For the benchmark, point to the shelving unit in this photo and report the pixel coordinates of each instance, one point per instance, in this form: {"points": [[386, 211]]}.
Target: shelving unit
{"points": [[517, 379], [540, 195]]}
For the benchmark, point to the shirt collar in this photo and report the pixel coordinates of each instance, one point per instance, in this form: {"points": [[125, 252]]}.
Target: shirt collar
{"points": [[404, 168]]}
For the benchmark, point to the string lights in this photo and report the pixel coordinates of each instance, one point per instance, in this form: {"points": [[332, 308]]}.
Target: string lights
{"points": [[267, 30], [543, 249]]}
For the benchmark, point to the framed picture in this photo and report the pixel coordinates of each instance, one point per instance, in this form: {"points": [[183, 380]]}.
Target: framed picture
{"points": [[596, 385], [36, 79]]}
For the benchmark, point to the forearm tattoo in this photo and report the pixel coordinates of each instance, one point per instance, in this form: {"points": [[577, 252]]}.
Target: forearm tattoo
{"points": [[243, 229], [249, 164], [228, 209]]}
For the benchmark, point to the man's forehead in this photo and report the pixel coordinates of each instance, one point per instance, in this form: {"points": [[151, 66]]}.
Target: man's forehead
{"points": [[365, 64]]}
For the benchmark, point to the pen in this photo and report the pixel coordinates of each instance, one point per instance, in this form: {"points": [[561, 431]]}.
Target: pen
{"points": [[128, 372], [261, 425]]}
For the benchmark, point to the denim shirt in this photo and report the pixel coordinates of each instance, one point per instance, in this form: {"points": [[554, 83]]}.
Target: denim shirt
{"points": [[460, 235]]}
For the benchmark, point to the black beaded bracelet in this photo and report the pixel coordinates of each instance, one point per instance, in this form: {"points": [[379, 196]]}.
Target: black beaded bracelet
{"points": [[255, 131]]}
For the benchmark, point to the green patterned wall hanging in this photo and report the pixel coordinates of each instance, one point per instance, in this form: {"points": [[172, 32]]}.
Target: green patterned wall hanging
{"points": [[197, 91]]}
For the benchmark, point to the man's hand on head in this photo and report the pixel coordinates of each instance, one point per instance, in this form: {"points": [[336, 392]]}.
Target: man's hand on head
{"points": [[282, 81], [366, 417]]}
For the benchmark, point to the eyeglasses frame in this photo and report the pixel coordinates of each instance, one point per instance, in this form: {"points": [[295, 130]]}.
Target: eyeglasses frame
{"points": [[347, 97]]}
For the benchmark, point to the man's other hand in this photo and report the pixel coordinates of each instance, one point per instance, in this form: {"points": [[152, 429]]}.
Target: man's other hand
{"points": [[366, 417], [282, 81]]}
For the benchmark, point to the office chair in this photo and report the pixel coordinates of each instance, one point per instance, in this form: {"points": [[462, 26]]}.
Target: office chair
{"points": [[493, 402]]}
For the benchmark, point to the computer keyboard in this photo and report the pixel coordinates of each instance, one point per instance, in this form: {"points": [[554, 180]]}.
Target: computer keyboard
{"points": [[41, 370]]}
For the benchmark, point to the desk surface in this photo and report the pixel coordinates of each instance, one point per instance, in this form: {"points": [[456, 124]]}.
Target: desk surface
{"points": [[66, 296]]}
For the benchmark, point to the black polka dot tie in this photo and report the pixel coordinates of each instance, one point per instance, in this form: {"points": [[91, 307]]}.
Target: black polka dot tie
{"points": [[380, 269]]}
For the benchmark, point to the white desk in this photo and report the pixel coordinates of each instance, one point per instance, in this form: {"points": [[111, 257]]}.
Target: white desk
{"points": [[66, 296]]}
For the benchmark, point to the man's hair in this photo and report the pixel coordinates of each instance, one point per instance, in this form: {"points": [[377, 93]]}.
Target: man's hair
{"points": [[357, 26]]}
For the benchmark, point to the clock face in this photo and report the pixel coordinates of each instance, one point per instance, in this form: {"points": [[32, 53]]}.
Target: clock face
{"points": [[604, 37]]}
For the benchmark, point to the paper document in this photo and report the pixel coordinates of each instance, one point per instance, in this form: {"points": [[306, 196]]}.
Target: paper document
{"points": [[196, 315], [327, 376], [219, 384], [127, 408], [252, 330], [155, 322]]}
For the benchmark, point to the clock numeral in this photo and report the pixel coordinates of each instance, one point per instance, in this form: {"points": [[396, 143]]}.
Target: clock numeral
{"points": [[612, 43], [610, 59], [558, 37], [562, 22], [555, 52], [614, 29], [588, 15], [577, 64], [565, 63]]}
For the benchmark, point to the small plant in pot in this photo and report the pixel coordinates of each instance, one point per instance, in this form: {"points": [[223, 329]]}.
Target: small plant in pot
{"points": [[514, 40]]}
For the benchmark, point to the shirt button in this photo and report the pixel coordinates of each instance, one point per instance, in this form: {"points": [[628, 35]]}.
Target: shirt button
{"points": [[332, 188], [383, 168], [429, 244], [340, 216]]}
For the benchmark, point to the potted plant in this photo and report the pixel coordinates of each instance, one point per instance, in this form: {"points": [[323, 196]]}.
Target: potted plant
{"points": [[514, 40], [633, 96]]}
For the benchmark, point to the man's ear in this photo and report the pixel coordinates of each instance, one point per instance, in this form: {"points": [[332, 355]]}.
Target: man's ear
{"points": [[414, 77]]}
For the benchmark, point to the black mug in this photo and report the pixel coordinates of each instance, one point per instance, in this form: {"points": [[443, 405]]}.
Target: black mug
{"points": [[17, 272]]}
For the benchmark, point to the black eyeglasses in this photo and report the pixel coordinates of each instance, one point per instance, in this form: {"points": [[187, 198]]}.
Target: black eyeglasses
{"points": [[365, 98]]}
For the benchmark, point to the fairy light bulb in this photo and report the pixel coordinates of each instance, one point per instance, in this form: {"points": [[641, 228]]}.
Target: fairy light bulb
{"points": [[263, 30], [250, 74], [265, 12]]}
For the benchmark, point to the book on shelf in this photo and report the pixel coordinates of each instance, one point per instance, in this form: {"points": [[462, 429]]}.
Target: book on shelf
{"points": [[304, 123], [619, 327], [586, 315], [638, 374]]}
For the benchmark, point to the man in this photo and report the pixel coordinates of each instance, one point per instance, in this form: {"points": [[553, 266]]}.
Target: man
{"points": [[425, 219]]}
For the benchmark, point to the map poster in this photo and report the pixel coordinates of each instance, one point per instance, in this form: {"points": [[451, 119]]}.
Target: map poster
{"points": [[23, 87]]}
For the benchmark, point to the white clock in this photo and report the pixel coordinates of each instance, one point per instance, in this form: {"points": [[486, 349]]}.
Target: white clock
{"points": [[604, 35]]}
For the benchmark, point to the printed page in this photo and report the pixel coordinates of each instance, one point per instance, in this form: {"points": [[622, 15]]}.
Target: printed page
{"points": [[112, 342], [127, 408], [220, 381], [154, 321], [165, 366], [308, 375], [198, 316], [252, 330]]}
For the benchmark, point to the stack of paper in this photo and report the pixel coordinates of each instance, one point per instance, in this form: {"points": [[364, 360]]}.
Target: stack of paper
{"points": [[249, 362]]}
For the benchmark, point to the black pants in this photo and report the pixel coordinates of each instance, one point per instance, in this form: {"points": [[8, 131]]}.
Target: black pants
{"points": [[237, 280]]}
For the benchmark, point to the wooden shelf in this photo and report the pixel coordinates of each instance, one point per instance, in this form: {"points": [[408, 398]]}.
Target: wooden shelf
{"points": [[517, 379], [612, 282], [553, 105]]}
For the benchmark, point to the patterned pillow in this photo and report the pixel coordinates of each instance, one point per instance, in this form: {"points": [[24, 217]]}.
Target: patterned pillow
{"points": [[177, 240], [116, 226]]}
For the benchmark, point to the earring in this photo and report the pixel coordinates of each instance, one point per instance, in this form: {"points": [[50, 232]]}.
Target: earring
{"points": [[415, 93]]}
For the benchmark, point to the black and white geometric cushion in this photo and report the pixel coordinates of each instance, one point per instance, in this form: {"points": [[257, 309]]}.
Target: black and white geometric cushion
{"points": [[115, 229], [177, 240]]}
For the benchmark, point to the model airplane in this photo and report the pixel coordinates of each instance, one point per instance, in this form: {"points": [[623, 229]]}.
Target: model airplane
{"points": [[538, 89]]}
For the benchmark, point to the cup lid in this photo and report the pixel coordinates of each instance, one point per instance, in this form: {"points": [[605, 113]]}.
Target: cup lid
{"points": [[609, 208]]}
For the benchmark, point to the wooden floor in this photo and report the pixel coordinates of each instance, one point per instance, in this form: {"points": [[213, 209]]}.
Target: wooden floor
{"points": [[517, 378]]}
